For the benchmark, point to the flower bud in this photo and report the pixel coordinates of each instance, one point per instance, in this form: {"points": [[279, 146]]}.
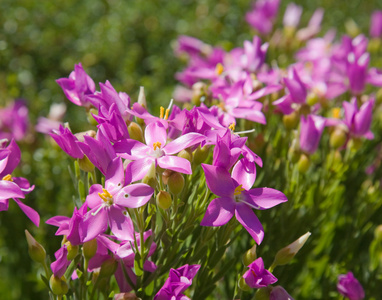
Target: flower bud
{"points": [[150, 177], [90, 117], [166, 174], [142, 97], [186, 154], [135, 132], [352, 28], [338, 138], [263, 293], [85, 164], [250, 255], [199, 91], [378, 233], [108, 267], [355, 143], [294, 155], [89, 249], [164, 200], [58, 285], [291, 121], [243, 285], [312, 99], [286, 254], [304, 110], [201, 154], [72, 250], [303, 163], [35, 250], [175, 183]]}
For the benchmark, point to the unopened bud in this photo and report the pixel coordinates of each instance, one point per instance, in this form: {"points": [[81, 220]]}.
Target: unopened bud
{"points": [[90, 117], [186, 154], [150, 177], [291, 121], [164, 200], [285, 255], [201, 154], [294, 155], [378, 97], [250, 256], [263, 293], [135, 132], [142, 97], [312, 99], [355, 143], [175, 183], [303, 163], [35, 250], [338, 138], [304, 110], [378, 233], [85, 164], [166, 174], [89, 249], [58, 285], [352, 28], [72, 250], [243, 285], [199, 93], [108, 267]]}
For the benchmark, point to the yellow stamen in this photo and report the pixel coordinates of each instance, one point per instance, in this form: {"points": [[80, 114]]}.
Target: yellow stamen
{"points": [[232, 127], [8, 177], [157, 145], [336, 111], [161, 112], [219, 69], [167, 113], [105, 196], [238, 190]]}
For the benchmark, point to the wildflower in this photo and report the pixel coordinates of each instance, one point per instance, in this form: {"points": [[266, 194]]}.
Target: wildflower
{"points": [[350, 287], [258, 277]]}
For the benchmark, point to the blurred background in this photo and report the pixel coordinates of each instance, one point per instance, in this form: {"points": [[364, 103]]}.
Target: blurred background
{"points": [[129, 43]]}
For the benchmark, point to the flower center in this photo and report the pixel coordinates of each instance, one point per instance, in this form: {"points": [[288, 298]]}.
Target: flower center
{"points": [[238, 190], [232, 127], [219, 69], [8, 177], [157, 145], [164, 115], [106, 197]]}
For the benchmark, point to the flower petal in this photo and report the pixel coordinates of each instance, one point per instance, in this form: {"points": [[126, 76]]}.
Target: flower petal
{"points": [[94, 223], [30, 212], [155, 132], [264, 198], [10, 189], [175, 163], [183, 142], [219, 212], [219, 181], [250, 222], [131, 149], [138, 169], [134, 195], [243, 175], [120, 224]]}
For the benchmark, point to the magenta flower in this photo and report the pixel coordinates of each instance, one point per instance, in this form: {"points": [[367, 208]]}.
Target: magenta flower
{"points": [[14, 187], [292, 15], [108, 205], [350, 287], [310, 132], [262, 15], [279, 293], [177, 282], [157, 151], [67, 142], [258, 277], [376, 24], [359, 120], [237, 197], [78, 86], [14, 121]]}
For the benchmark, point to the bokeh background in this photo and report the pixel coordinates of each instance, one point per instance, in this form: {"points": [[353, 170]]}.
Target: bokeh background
{"points": [[129, 43]]}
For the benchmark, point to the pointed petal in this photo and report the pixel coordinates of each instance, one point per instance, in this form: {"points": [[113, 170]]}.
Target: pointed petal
{"points": [[175, 163], [219, 212], [155, 132], [134, 195], [30, 212], [183, 142], [131, 149], [250, 222], [93, 199], [120, 224], [219, 181], [94, 223], [10, 189], [243, 175], [138, 169], [115, 176], [264, 198]]}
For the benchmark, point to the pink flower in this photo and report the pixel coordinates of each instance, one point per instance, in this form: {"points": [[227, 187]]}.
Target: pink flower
{"points": [[349, 287], [258, 277]]}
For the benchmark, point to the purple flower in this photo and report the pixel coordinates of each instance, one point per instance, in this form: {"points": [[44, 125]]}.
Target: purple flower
{"points": [[157, 151], [359, 120], [279, 293], [357, 72], [349, 287], [376, 24], [14, 187], [237, 197], [262, 15], [177, 282], [67, 142], [292, 15], [14, 121], [108, 205], [78, 86], [254, 54], [258, 277], [310, 132]]}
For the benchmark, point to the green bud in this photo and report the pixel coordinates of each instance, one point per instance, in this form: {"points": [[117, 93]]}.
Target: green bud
{"points": [[291, 121], [85, 164], [58, 285], [199, 91], [135, 132], [201, 154], [108, 267], [294, 155], [303, 163], [250, 256], [175, 183], [90, 117], [285, 255], [355, 143], [243, 285], [150, 177], [374, 45], [36, 250], [304, 110], [289, 32], [352, 28], [338, 138], [89, 249], [378, 96], [378, 233], [263, 293], [72, 250], [164, 200], [186, 154], [312, 99]]}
